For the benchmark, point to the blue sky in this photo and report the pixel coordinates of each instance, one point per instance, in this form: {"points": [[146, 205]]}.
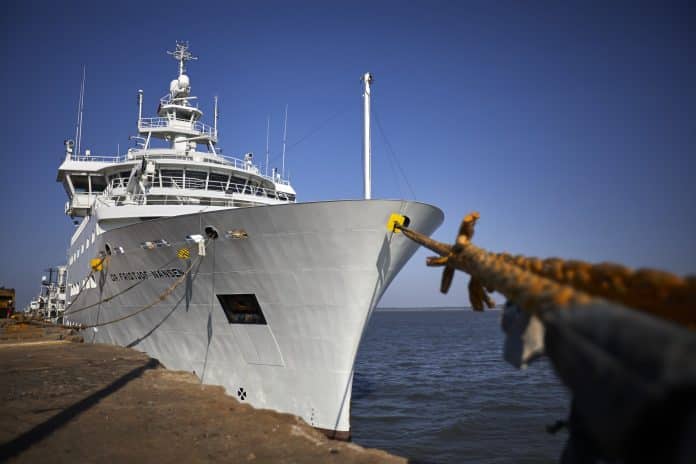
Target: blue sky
{"points": [[571, 128]]}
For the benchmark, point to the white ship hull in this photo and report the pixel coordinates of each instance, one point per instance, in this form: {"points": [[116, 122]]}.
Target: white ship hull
{"points": [[316, 269]]}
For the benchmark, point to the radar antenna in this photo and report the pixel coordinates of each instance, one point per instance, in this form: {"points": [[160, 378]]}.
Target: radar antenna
{"points": [[182, 54]]}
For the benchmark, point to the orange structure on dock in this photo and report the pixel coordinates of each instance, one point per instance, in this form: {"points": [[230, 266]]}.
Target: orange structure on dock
{"points": [[7, 301]]}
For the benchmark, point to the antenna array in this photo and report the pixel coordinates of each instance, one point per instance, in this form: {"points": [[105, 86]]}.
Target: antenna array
{"points": [[182, 54]]}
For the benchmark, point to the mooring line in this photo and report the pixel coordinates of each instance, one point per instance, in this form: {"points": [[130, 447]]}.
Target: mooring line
{"points": [[540, 285], [111, 297], [160, 298]]}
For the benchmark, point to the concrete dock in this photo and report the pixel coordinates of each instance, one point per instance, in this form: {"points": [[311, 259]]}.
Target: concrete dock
{"points": [[66, 401]]}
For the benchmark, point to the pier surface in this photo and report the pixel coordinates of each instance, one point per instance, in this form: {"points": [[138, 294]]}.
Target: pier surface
{"points": [[65, 401]]}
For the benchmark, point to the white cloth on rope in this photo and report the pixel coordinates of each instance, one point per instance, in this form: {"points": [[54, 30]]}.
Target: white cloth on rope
{"points": [[524, 336]]}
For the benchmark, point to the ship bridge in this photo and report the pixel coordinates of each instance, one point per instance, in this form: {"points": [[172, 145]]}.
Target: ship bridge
{"points": [[178, 120], [171, 126], [180, 178]]}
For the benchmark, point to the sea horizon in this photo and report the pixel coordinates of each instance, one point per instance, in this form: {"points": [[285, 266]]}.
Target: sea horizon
{"points": [[432, 308]]}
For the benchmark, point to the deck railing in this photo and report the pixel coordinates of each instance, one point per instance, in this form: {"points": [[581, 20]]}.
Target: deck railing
{"points": [[160, 154], [98, 158], [169, 100], [191, 187], [177, 200], [197, 126]]}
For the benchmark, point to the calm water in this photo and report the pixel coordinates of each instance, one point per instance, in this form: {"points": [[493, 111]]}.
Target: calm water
{"points": [[432, 386]]}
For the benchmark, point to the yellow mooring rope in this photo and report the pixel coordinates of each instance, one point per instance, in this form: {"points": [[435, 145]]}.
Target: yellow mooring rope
{"points": [[161, 297], [111, 297], [539, 285], [97, 266]]}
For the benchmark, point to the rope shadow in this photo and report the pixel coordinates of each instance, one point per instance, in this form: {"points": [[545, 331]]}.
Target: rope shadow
{"points": [[41, 431], [171, 311], [137, 341]]}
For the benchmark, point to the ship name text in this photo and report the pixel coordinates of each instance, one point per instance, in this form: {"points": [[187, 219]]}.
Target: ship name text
{"points": [[145, 275]]}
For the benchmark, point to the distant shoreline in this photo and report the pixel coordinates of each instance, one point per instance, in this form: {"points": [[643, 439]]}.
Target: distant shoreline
{"points": [[430, 308]]}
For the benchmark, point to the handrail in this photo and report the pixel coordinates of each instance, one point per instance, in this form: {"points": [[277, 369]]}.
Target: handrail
{"points": [[191, 186], [168, 100], [155, 200], [159, 122], [242, 165], [212, 158], [97, 158]]}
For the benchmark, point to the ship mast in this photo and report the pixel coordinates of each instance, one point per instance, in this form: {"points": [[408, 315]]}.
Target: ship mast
{"points": [[80, 108], [367, 155], [182, 54], [178, 120]]}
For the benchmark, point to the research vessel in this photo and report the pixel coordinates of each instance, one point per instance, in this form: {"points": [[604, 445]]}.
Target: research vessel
{"points": [[211, 265], [49, 304]]}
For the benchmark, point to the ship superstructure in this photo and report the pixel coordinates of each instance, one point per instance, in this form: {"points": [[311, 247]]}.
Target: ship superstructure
{"points": [[184, 176], [211, 266], [49, 304]]}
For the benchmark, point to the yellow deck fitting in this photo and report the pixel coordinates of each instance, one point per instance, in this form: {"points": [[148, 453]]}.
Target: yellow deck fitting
{"points": [[97, 264], [396, 219]]}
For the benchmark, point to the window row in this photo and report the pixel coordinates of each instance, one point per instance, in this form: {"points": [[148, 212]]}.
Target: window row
{"points": [[182, 179], [79, 250]]}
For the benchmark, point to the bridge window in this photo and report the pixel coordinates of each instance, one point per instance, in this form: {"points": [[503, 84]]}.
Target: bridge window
{"points": [[172, 177], [98, 183], [237, 182], [196, 179], [237, 185], [119, 179], [80, 183], [217, 181]]}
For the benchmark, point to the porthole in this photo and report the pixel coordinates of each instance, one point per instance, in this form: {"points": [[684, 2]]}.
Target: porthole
{"points": [[108, 249]]}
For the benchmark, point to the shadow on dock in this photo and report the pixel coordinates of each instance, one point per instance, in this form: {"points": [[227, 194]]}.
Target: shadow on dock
{"points": [[67, 402], [46, 428]]}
